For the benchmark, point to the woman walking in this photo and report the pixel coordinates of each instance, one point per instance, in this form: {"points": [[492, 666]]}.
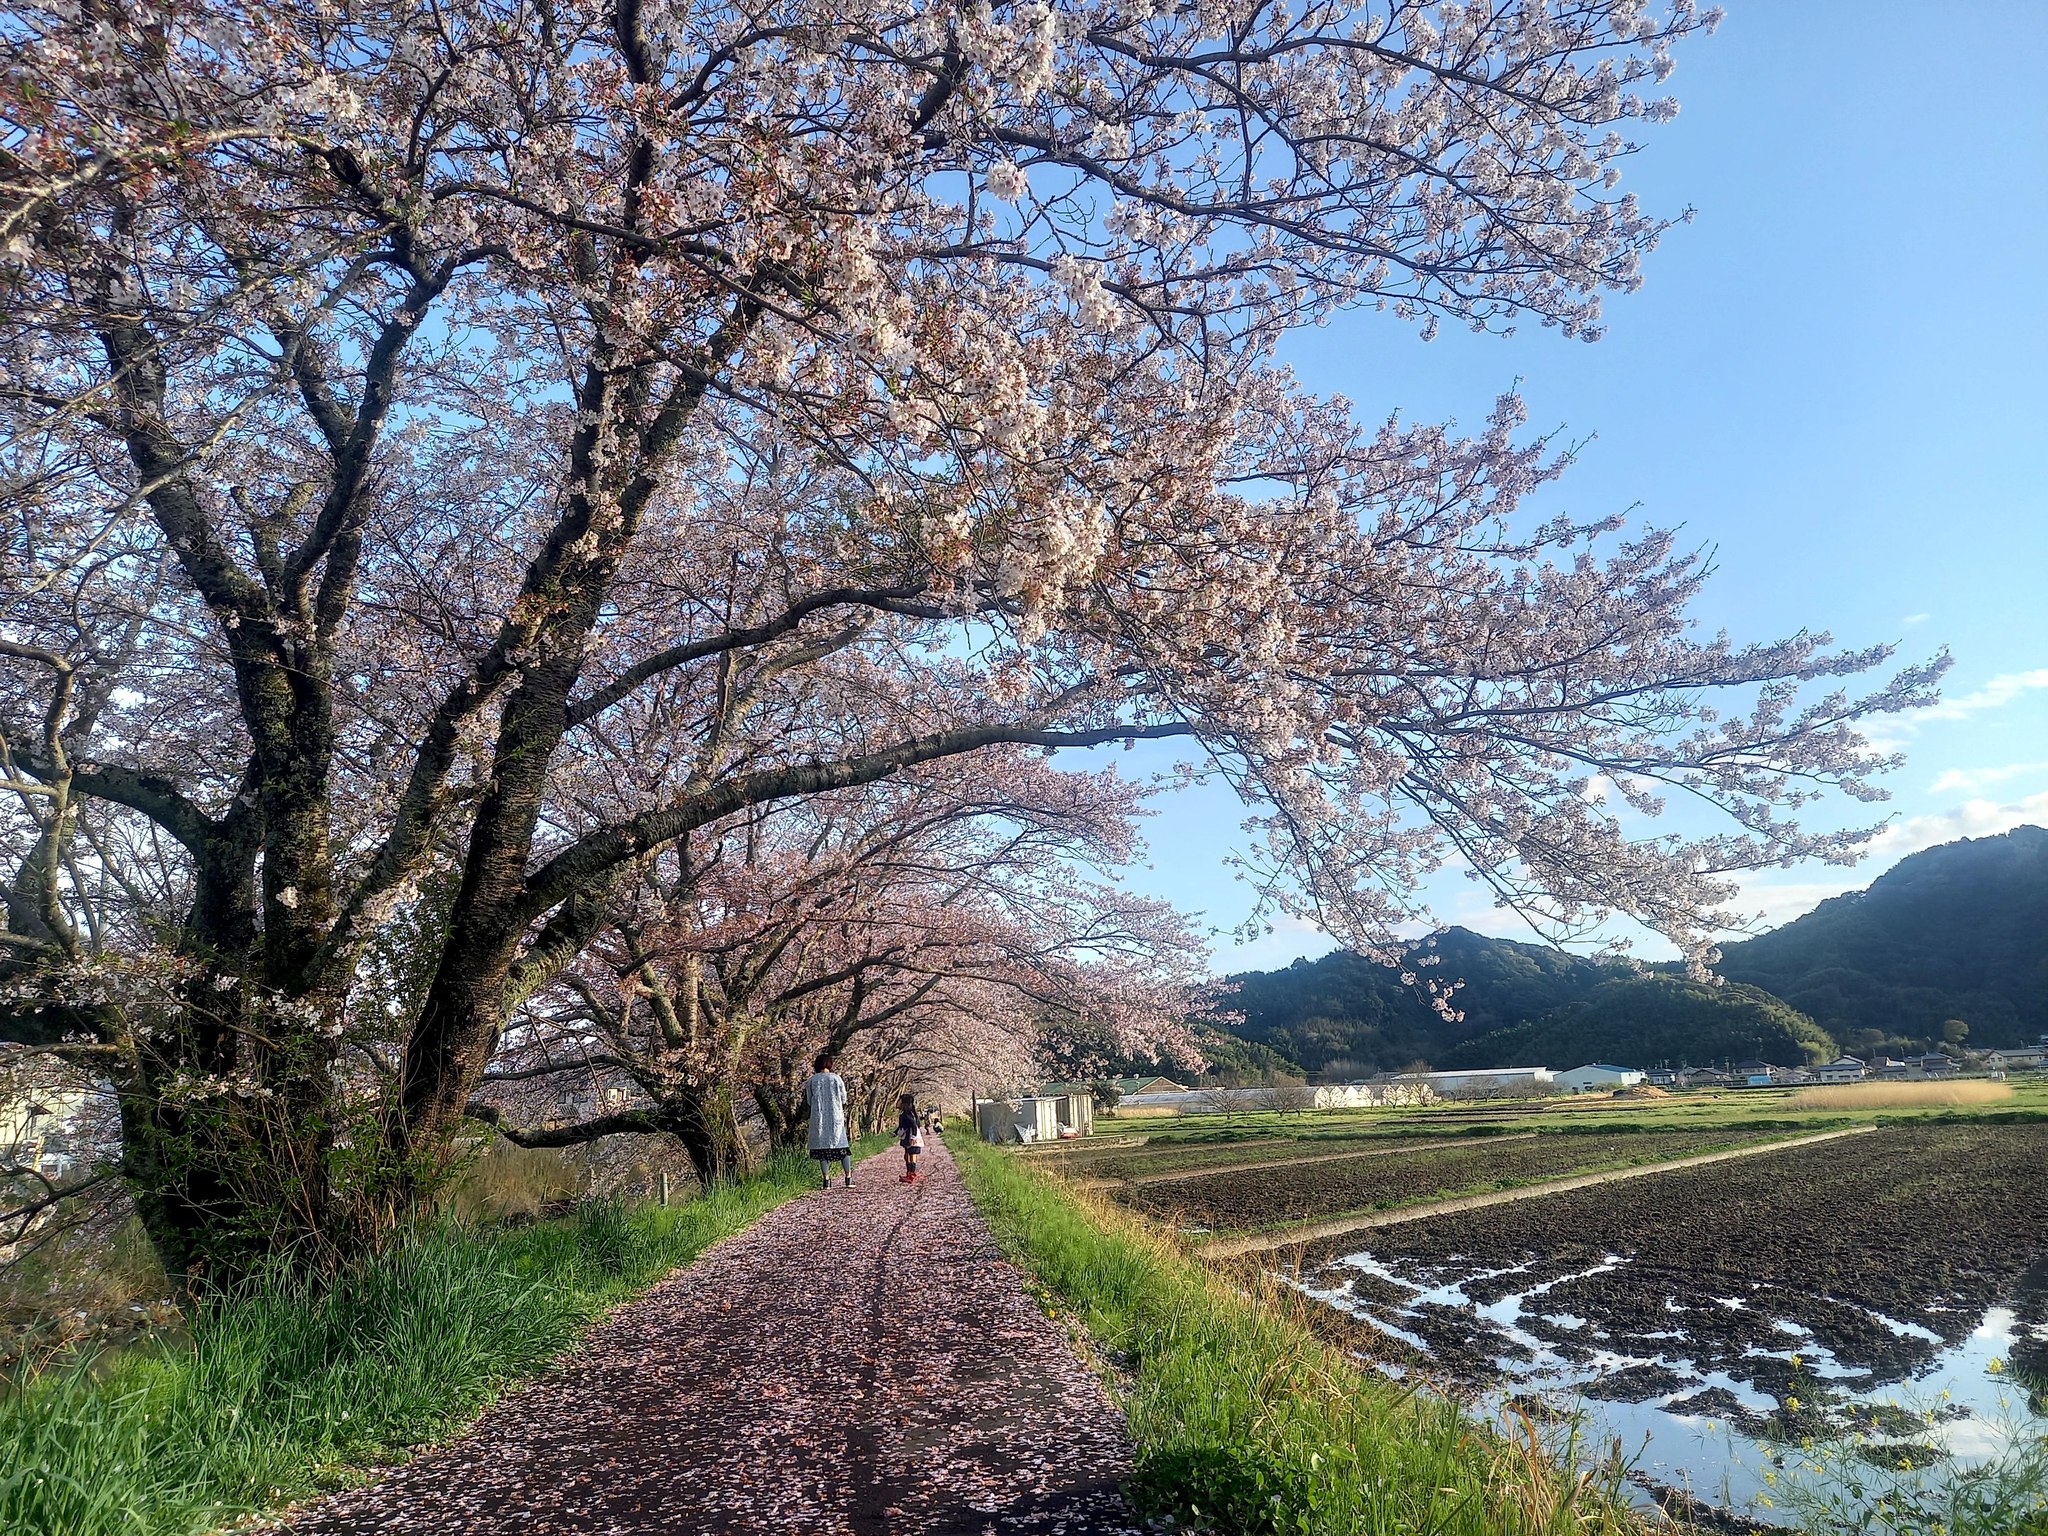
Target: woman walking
{"points": [[825, 1093]]}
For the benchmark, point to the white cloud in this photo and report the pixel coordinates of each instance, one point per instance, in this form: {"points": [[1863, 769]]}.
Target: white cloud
{"points": [[1973, 818], [1774, 903], [1968, 779], [1996, 694], [1918, 618], [1892, 733]]}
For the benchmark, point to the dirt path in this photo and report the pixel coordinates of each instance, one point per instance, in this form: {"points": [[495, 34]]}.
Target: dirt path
{"points": [[1308, 1232], [1177, 1175], [859, 1362]]}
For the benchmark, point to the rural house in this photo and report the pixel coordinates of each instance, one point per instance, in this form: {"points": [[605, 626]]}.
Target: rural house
{"points": [[1843, 1069], [1933, 1064], [1598, 1075]]}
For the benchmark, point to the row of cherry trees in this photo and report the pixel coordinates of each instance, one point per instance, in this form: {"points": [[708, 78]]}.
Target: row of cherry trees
{"points": [[933, 928], [494, 491]]}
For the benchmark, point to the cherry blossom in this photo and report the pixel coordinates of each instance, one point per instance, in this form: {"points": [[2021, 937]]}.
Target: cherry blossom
{"points": [[417, 419]]}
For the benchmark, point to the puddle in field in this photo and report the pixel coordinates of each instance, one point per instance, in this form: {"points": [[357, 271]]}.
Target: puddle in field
{"points": [[1723, 1424]]}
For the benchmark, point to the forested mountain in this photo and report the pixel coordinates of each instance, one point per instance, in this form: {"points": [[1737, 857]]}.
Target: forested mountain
{"points": [[1958, 932], [1344, 1013], [1647, 1020], [1955, 932]]}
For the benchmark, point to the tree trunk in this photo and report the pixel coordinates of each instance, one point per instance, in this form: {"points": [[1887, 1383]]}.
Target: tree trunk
{"points": [[706, 1122], [785, 1113], [228, 1190]]}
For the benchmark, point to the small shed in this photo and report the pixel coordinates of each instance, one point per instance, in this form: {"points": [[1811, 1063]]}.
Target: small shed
{"points": [[1076, 1112], [1030, 1119]]}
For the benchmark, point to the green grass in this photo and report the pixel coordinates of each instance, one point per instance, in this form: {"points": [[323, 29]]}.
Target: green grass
{"points": [[282, 1391], [1244, 1420], [1747, 1109]]}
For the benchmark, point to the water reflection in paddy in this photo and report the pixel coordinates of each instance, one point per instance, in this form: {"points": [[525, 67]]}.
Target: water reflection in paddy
{"points": [[1726, 1427]]}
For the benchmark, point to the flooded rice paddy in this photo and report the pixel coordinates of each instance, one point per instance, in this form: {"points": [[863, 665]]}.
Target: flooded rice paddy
{"points": [[1882, 1299]]}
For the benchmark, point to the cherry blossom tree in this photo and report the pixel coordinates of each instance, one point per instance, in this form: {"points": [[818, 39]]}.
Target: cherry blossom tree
{"points": [[397, 399], [924, 928]]}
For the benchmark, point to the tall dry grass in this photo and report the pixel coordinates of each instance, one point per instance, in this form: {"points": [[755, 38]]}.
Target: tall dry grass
{"points": [[1900, 1095]]}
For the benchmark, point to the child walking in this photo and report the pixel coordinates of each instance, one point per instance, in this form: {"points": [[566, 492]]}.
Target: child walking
{"points": [[910, 1132]]}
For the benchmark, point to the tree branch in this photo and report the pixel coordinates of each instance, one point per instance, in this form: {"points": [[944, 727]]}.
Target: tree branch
{"points": [[590, 857], [625, 1122], [883, 599]]}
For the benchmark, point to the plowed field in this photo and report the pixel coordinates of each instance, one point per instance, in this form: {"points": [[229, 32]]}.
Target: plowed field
{"points": [[1259, 1197], [1138, 1162]]}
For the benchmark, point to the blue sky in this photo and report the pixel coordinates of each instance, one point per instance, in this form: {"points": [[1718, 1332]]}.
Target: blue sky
{"points": [[1837, 376]]}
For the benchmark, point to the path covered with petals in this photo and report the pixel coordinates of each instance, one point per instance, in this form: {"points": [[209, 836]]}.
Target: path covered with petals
{"points": [[860, 1361]]}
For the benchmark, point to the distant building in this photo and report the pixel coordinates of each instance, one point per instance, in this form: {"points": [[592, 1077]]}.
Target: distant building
{"points": [[1598, 1075], [1126, 1087], [1482, 1082], [1225, 1101], [1933, 1064], [37, 1126], [1765, 1074], [1843, 1069], [2022, 1058], [1372, 1095]]}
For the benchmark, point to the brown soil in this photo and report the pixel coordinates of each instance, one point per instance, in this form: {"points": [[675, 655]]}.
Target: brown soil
{"points": [[1269, 1197]]}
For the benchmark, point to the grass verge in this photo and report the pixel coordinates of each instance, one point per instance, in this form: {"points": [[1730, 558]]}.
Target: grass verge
{"points": [[283, 1392], [1245, 1422]]}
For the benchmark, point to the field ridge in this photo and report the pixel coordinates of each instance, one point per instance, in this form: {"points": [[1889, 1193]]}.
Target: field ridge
{"points": [[1307, 1232]]}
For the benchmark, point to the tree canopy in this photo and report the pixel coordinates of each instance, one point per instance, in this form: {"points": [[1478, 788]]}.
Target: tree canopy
{"points": [[414, 413]]}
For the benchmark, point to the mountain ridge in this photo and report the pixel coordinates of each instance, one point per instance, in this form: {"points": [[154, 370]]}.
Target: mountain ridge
{"points": [[1954, 932]]}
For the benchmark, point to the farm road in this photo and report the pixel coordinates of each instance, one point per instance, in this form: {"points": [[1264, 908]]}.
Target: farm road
{"points": [[1178, 1175], [859, 1362], [1308, 1232]]}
